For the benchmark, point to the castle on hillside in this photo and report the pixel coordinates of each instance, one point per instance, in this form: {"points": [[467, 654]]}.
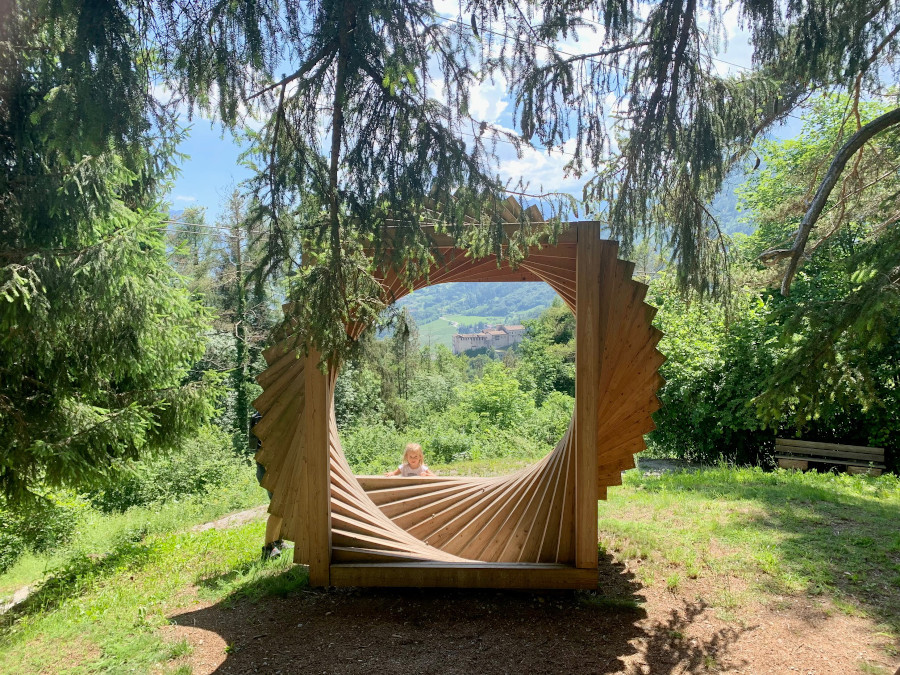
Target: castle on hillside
{"points": [[495, 337]]}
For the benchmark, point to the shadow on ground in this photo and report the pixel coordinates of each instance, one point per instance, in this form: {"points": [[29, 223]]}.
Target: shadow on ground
{"points": [[450, 631]]}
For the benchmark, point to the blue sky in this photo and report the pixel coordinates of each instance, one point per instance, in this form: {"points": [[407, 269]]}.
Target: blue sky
{"points": [[212, 169]]}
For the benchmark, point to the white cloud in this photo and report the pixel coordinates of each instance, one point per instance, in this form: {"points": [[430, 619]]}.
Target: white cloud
{"points": [[185, 198], [542, 171], [487, 101]]}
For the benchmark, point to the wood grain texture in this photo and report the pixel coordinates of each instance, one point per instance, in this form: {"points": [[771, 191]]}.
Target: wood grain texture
{"points": [[535, 528]]}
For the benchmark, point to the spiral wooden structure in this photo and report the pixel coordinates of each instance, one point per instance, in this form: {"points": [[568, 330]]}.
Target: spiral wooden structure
{"points": [[536, 528]]}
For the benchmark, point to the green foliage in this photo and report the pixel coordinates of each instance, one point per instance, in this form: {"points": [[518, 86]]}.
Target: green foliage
{"points": [[548, 355], [718, 398], [49, 524], [97, 333], [713, 370], [460, 408], [216, 263], [821, 363], [204, 465], [200, 465], [357, 396], [840, 329], [496, 399], [469, 303]]}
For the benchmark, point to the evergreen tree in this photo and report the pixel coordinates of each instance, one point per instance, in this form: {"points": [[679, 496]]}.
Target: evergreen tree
{"points": [[391, 156], [97, 333], [405, 350], [216, 261], [648, 111]]}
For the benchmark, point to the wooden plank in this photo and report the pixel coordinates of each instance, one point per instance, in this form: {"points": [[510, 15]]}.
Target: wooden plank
{"points": [[840, 461], [853, 454], [595, 267], [874, 453], [274, 388], [275, 369], [530, 550], [550, 535], [374, 483], [352, 554], [397, 508], [525, 524], [431, 520], [463, 575], [824, 446], [316, 488], [513, 509], [482, 533], [832, 457], [817, 452]]}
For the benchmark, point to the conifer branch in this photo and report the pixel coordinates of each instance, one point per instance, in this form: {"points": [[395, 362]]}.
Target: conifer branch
{"points": [[326, 51]]}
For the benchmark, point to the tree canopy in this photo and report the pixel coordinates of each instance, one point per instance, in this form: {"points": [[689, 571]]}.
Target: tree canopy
{"points": [[370, 133], [97, 335]]}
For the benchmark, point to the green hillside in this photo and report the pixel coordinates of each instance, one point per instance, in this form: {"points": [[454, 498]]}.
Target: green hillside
{"points": [[437, 308]]}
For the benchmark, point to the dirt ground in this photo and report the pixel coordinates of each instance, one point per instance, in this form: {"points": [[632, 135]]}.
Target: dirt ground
{"points": [[622, 628]]}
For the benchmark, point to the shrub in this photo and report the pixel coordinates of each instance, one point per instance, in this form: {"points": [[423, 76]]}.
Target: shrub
{"points": [[373, 448], [202, 463], [497, 400], [50, 524], [551, 419]]}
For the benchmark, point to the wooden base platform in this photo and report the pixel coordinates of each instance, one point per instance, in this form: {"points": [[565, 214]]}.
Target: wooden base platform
{"points": [[463, 575]]}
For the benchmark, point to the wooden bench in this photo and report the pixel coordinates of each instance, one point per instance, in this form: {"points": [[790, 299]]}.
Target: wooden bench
{"points": [[794, 454]]}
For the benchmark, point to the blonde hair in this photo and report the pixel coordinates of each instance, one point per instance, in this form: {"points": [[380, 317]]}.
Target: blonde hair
{"points": [[412, 447]]}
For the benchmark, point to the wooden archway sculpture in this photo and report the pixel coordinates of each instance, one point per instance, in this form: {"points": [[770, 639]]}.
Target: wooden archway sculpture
{"points": [[535, 528]]}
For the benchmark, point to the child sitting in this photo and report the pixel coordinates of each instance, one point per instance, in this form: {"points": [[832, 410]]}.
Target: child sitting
{"points": [[413, 463]]}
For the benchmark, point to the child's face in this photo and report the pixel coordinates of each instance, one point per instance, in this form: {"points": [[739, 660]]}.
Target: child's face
{"points": [[414, 459]]}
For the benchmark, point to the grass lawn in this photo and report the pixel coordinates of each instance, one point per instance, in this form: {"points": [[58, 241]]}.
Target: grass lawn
{"points": [[779, 535], [783, 533]]}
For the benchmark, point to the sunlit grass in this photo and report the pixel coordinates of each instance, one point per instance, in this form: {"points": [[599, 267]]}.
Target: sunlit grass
{"points": [[108, 610], [99, 533], [780, 532]]}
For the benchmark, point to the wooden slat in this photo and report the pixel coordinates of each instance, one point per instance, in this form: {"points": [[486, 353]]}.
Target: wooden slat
{"points": [[565, 544], [351, 554], [463, 575], [503, 531], [527, 511], [826, 447], [318, 471], [849, 461], [595, 268], [480, 533]]}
